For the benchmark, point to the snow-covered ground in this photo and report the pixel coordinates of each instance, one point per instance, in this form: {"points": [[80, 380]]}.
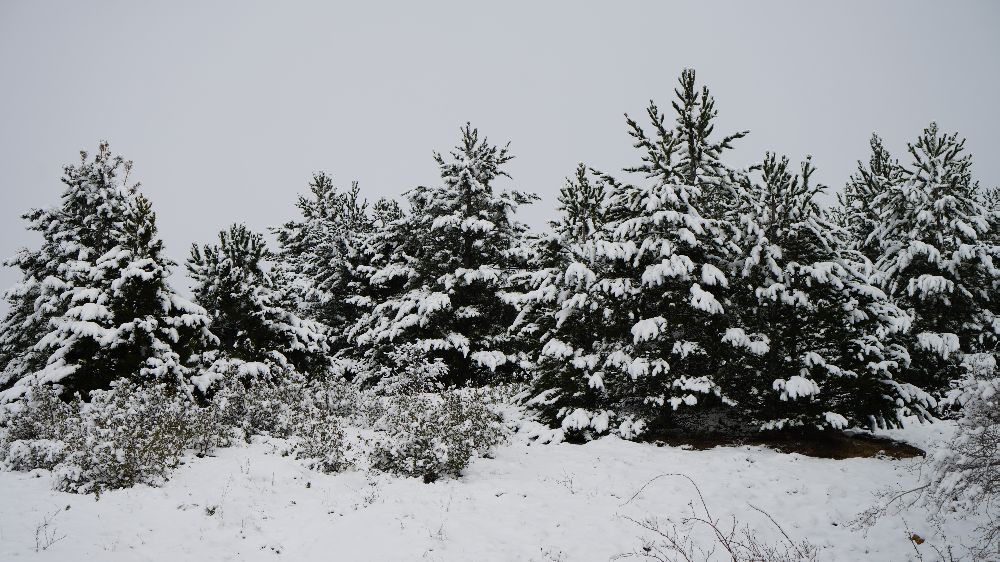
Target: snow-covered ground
{"points": [[531, 502]]}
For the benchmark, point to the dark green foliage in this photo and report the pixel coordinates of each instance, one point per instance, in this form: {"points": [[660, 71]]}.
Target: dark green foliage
{"points": [[638, 308], [100, 306], [252, 315], [856, 211], [699, 162], [938, 258], [810, 335], [437, 279], [323, 250]]}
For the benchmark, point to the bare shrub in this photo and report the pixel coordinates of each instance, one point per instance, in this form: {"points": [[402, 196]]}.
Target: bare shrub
{"points": [[961, 476], [964, 475], [702, 537]]}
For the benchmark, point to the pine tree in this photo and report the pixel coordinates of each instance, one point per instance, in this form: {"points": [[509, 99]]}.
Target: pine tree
{"points": [[989, 198], [640, 321], [856, 211], [444, 266], [252, 314], [938, 258], [23, 324], [809, 335], [580, 205], [101, 308], [321, 251], [699, 164]]}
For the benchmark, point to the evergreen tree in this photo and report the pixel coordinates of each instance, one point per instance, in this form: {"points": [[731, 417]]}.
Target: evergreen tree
{"points": [[24, 324], [443, 267], [938, 258], [641, 315], [698, 164], [809, 331], [543, 289], [321, 251], [252, 312], [100, 305], [580, 205], [989, 198], [856, 211]]}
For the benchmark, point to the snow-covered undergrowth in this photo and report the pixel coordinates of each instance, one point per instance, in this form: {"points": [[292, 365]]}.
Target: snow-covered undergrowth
{"points": [[529, 502]]}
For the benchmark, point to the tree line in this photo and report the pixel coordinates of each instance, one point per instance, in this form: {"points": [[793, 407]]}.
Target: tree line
{"points": [[678, 293]]}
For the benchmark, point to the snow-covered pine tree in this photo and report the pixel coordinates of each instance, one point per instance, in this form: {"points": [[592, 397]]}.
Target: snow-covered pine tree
{"points": [[989, 198], [637, 335], [539, 288], [809, 332], [451, 258], [378, 282], [855, 210], [699, 164], [321, 251], [252, 315], [581, 204], [101, 308], [563, 323], [156, 330], [939, 258], [23, 325]]}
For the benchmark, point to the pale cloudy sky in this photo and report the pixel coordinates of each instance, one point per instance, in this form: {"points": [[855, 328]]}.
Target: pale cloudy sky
{"points": [[227, 107]]}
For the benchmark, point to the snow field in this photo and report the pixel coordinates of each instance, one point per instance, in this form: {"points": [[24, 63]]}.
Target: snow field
{"points": [[531, 502]]}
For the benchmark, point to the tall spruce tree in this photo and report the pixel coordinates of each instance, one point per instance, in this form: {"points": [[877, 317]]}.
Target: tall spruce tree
{"points": [[100, 305], [938, 258], [448, 261], [253, 314], [639, 325], [810, 333], [542, 289]]}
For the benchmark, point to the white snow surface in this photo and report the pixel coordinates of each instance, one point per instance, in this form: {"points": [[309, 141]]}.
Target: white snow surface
{"points": [[532, 502]]}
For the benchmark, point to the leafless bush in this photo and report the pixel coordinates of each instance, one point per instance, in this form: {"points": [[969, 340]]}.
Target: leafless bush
{"points": [[702, 537], [961, 478], [46, 533]]}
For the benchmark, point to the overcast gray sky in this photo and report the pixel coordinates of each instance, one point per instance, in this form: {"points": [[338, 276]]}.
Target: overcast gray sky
{"points": [[226, 108]]}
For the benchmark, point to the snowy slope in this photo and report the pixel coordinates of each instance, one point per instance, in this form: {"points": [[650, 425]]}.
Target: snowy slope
{"points": [[537, 502]]}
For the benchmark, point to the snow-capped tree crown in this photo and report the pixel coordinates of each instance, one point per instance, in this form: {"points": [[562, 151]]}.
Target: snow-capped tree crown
{"points": [[937, 247], [101, 306]]}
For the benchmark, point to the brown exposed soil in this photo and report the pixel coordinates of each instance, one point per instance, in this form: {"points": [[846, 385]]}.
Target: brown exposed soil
{"points": [[821, 444]]}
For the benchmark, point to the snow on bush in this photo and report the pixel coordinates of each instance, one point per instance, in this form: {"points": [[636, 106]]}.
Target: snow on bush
{"points": [[434, 435], [259, 407], [124, 436], [131, 434], [32, 429], [407, 369], [306, 412], [320, 443], [965, 475]]}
